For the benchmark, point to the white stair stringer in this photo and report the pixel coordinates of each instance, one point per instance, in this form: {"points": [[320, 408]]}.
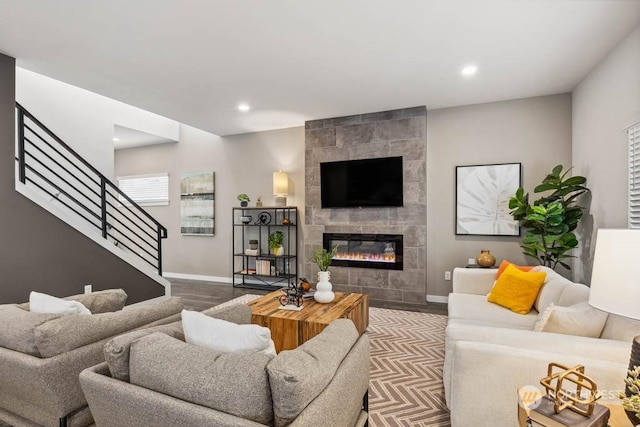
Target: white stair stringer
{"points": [[79, 224]]}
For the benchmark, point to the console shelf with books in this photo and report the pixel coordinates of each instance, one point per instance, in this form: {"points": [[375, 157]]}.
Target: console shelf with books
{"points": [[255, 264]]}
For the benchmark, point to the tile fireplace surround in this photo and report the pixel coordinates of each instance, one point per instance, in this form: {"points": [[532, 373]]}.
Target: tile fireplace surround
{"points": [[365, 136]]}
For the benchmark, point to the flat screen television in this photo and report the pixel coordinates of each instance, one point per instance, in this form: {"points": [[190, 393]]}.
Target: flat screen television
{"points": [[361, 183]]}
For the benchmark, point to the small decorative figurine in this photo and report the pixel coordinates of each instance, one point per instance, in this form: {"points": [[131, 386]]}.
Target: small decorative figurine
{"points": [[291, 295]]}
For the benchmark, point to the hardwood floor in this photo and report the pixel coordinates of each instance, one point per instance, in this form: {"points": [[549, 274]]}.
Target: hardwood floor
{"points": [[201, 295]]}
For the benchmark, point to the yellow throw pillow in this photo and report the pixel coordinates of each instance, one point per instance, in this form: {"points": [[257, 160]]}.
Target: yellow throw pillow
{"points": [[517, 290]]}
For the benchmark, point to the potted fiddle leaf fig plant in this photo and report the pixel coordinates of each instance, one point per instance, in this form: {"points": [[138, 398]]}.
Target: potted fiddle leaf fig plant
{"points": [[550, 220]]}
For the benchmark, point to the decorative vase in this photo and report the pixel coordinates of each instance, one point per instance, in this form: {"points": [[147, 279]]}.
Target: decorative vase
{"points": [[485, 259], [278, 251], [634, 361], [323, 292]]}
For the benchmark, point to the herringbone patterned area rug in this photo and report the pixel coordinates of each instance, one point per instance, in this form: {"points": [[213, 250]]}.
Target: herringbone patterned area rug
{"points": [[407, 355]]}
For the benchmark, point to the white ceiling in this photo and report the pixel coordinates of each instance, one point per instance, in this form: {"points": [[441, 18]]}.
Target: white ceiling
{"points": [[194, 61]]}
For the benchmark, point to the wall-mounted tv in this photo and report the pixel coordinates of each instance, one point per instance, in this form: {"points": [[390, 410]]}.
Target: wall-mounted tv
{"points": [[361, 183]]}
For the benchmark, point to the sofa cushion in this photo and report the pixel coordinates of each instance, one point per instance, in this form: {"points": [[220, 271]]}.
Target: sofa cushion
{"points": [[298, 376], [579, 319], [235, 383], [620, 328], [116, 350], [97, 302], [18, 328], [476, 309], [227, 337], [43, 303], [69, 332], [504, 264], [517, 290]]}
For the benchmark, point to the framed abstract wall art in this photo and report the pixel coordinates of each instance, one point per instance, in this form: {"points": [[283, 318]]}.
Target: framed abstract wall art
{"points": [[197, 204], [482, 199]]}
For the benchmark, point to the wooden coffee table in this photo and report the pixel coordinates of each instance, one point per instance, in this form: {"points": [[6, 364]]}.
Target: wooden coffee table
{"points": [[289, 329]]}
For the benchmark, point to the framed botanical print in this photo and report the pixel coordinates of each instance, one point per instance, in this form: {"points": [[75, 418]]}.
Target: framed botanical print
{"points": [[482, 199]]}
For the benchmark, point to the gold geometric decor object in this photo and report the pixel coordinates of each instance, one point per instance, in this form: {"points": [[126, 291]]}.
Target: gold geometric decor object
{"points": [[581, 399]]}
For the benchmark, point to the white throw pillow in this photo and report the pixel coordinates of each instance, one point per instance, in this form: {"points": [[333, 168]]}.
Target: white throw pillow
{"points": [[43, 303], [226, 337], [579, 319]]}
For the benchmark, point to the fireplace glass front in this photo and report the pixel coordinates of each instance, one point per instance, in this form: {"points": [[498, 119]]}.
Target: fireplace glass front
{"points": [[365, 250]]}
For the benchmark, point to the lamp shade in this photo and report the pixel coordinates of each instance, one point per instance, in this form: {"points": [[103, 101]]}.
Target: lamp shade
{"points": [[280, 183], [615, 280]]}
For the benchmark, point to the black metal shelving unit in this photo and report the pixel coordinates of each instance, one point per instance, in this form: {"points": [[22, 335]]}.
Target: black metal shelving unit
{"points": [[264, 221]]}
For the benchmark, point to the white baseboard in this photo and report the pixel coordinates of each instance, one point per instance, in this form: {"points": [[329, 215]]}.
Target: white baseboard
{"points": [[438, 299], [199, 277]]}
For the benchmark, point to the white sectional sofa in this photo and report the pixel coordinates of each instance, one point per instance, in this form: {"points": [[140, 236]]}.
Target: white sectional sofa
{"points": [[491, 351]]}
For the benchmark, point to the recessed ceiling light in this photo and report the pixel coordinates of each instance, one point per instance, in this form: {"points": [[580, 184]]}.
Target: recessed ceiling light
{"points": [[115, 139], [469, 70], [244, 108]]}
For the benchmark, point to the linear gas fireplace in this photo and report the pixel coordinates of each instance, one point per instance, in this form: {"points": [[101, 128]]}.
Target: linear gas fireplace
{"points": [[365, 250]]}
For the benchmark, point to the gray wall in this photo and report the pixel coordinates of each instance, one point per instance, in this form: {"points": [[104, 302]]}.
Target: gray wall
{"points": [[388, 133], [241, 163], [40, 252], [605, 103], [534, 131]]}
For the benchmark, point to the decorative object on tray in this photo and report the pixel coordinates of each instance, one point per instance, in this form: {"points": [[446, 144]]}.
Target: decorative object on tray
{"points": [[285, 221], [244, 200], [291, 296], [570, 399], [259, 202], [482, 199], [246, 219], [485, 259], [275, 243], [305, 285], [264, 218], [253, 244], [323, 259], [550, 221]]}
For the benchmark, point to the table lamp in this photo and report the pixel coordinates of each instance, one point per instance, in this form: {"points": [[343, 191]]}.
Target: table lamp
{"points": [[280, 187], [615, 280]]}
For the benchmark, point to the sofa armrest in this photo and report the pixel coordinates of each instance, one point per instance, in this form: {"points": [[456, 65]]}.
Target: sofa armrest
{"points": [[477, 281], [115, 403], [486, 377]]}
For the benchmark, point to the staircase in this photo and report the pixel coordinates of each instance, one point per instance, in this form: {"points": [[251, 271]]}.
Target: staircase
{"points": [[53, 175]]}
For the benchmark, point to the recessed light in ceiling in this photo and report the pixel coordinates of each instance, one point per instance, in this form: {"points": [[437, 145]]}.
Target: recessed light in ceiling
{"points": [[244, 108], [115, 139], [469, 70]]}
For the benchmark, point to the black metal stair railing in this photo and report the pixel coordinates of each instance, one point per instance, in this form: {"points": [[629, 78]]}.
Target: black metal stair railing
{"points": [[49, 164]]}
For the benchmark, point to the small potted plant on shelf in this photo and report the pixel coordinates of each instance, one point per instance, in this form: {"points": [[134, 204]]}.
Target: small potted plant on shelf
{"points": [[244, 200], [275, 243]]}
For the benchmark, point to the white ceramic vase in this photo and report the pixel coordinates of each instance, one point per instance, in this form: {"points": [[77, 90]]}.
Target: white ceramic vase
{"points": [[323, 292]]}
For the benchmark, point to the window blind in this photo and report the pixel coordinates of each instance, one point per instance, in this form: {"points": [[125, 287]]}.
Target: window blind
{"points": [[145, 190], [634, 175]]}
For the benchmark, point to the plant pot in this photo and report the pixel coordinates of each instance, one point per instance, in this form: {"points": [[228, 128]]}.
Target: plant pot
{"points": [[323, 292], [279, 251], [244, 204]]}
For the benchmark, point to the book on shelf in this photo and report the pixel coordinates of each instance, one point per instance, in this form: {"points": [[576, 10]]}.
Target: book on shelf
{"points": [[248, 271], [254, 252], [263, 267], [544, 415]]}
